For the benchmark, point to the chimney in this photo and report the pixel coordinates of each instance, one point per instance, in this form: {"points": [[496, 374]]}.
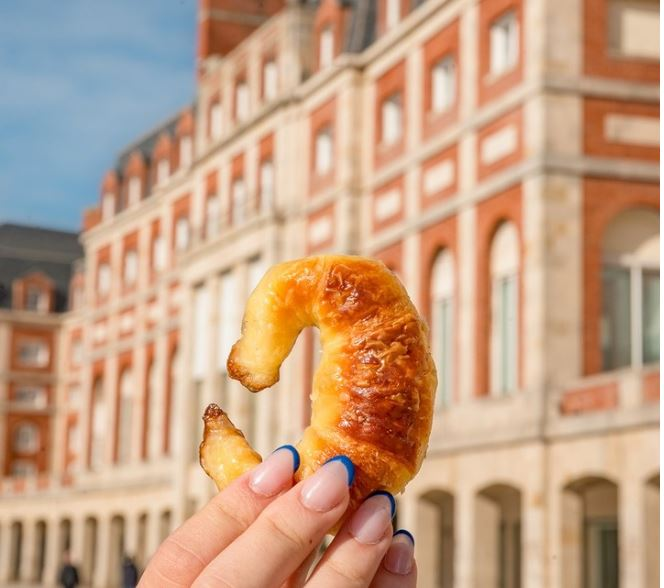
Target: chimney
{"points": [[223, 24]]}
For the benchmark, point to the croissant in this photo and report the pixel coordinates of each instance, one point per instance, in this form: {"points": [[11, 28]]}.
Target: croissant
{"points": [[373, 392]]}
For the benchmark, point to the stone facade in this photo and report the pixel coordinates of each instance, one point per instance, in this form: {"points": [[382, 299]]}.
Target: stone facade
{"points": [[522, 161]]}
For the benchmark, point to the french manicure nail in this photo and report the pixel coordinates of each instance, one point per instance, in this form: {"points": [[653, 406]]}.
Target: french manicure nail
{"points": [[371, 521], [329, 485], [274, 474], [399, 557]]}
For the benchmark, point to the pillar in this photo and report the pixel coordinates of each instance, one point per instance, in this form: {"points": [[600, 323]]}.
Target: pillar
{"points": [[103, 553], [464, 553], [52, 561], [631, 532], [5, 551], [153, 534], [533, 531], [131, 534], [27, 565]]}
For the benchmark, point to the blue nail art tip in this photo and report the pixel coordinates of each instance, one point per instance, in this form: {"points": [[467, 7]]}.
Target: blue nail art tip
{"points": [[296, 456], [406, 533], [348, 464], [393, 503]]}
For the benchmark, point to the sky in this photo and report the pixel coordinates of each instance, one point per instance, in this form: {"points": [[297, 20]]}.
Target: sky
{"points": [[79, 80]]}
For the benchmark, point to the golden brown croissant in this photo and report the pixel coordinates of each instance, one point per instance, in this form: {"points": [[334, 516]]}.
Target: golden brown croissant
{"points": [[373, 392]]}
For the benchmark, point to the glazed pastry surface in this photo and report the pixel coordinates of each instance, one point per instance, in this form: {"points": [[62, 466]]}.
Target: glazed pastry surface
{"points": [[373, 392]]}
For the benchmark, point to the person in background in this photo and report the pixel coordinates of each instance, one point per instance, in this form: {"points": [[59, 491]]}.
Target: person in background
{"points": [[68, 574], [129, 573]]}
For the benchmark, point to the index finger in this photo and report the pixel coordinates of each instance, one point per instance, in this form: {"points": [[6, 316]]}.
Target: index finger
{"points": [[189, 549]]}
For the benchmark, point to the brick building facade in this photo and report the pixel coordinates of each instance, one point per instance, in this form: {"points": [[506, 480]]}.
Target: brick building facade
{"points": [[501, 157]]}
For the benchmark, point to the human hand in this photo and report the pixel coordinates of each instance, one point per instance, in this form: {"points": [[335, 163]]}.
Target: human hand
{"points": [[264, 532]]}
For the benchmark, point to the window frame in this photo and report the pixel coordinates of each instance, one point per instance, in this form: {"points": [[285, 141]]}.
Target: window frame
{"points": [[391, 117], [440, 65], [506, 23]]}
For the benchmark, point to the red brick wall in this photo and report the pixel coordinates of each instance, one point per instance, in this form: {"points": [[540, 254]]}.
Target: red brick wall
{"points": [[591, 399], [595, 111], [597, 58]]}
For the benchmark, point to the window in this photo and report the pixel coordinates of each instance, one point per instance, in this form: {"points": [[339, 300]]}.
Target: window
{"points": [[186, 151], [200, 328], [134, 191], [504, 43], [215, 121], [240, 203], [443, 84], [23, 468], [392, 13], [630, 291], [98, 425], [124, 431], [504, 309], [266, 185], [634, 28], [270, 78], [158, 253], [326, 47], [323, 152], [104, 279], [130, 269], [33, 353], [442, 325], [26, 438], [241, 101], [163, 170], [391, 117], [32, 396], [212, 216], [107, 206], [36, 299], [181, 233]]}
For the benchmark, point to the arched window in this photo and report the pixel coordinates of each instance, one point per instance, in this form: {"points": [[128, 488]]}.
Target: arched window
{"points": [[442, 324], [98, 425], [26, 438], [125, 416], [630, 290], [504, 267]]}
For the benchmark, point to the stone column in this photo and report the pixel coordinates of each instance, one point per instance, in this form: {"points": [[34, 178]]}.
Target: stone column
{"points": [[153, 539], [464, 521], [533, 529], [103, 553], [52, 560], [27, 565], [77, 541], [131, 534], [631, 532], [5, 552]]}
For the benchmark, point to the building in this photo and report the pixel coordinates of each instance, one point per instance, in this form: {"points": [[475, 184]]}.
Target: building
{"points": [[501, 157]]}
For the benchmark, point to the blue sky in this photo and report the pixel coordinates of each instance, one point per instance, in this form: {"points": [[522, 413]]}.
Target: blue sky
{"points": [[79, 80]]}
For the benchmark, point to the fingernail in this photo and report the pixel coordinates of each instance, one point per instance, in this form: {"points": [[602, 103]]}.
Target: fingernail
{"points": [[275, 473], [371, 520], [329, 485], [399, 557]]}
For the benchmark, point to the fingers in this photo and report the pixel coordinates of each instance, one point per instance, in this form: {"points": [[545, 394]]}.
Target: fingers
{"points": [[355, 554], [398, 569], [187, 551], [285, 533]]}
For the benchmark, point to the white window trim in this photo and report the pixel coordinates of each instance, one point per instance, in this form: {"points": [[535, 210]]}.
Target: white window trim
{"points": [[503, 38], [326, 47], [240, 200], [186, 151], [324, 152], [212, 216], [182, 235], [443, 85], [266, 196], [270, 80], [130, 268], [391, 120], [216, 121], [242, 101]]}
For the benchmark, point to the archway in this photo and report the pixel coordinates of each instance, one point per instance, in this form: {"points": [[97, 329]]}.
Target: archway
{"points": [[590, 556], [435, 545], [498, 537]]}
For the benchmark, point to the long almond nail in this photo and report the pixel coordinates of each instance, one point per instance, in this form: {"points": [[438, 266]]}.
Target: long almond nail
{"points": [[276, 472], [328, 486], [399, 557], [371, 521]]}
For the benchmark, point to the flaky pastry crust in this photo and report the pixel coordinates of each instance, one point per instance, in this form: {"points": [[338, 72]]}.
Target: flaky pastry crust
{"points": [[373, 392]]}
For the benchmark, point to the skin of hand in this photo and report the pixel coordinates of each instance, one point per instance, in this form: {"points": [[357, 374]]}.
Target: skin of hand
{"points": [[263, 532]]}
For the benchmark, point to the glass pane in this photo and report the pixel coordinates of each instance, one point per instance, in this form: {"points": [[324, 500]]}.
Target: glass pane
{"points": [[650, 316], [616, 323]]}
